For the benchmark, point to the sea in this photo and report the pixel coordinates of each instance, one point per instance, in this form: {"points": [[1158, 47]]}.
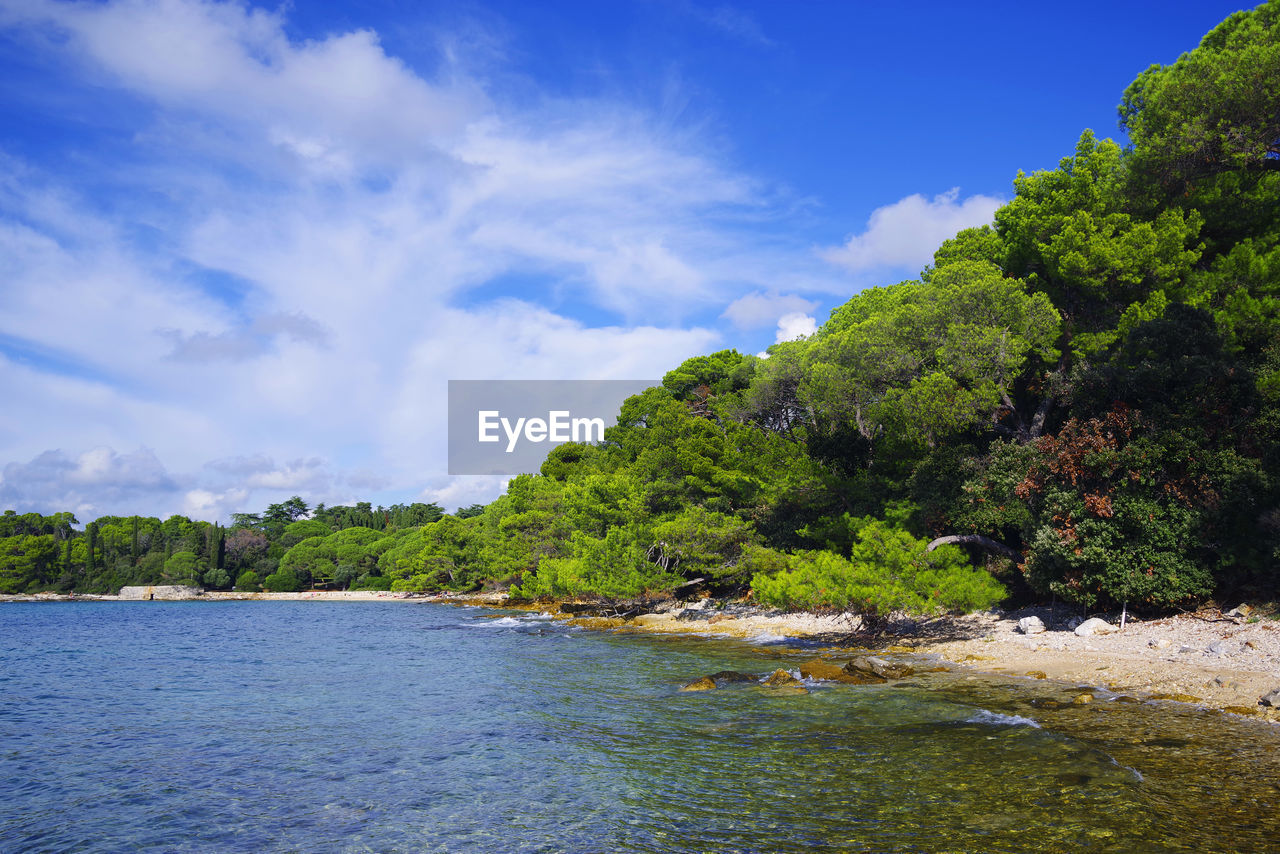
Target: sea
{"points": [[425, 727]]}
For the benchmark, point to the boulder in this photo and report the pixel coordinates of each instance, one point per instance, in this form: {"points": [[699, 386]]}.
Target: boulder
{"points": [[1270, 699], [1031, 625], [1094, 626], [1241, 610], [706, 683]]}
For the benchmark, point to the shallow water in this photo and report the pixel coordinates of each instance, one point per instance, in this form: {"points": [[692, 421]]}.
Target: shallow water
{"points": [[279, 726]]}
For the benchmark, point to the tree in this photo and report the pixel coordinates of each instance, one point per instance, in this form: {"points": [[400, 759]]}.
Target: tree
{"points": [[182, 568], [1216, 109]]}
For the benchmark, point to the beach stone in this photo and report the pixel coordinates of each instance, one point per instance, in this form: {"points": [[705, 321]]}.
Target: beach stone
{"points": [[1037, 674], [1074, 623], [1031, 625], [1241, 610], [728, 677], [1159, 643], [1216, 648], [706, 683], [781, 677], [1270, 699], [1094, 626]]}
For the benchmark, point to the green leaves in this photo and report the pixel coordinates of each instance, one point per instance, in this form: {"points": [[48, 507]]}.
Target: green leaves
{"points": [[1217, 108], [887, 570]]}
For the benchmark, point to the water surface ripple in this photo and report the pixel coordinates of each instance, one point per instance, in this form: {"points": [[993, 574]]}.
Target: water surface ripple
{"points": [[277, 726]]}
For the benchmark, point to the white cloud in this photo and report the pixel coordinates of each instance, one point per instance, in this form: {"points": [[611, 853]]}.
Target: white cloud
{"points": [[755, 310], [795, 325], [906, 233], [356, 202], [91, 483]]}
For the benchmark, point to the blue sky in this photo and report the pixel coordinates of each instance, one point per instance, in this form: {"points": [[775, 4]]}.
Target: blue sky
{"points": [[243, 248]]}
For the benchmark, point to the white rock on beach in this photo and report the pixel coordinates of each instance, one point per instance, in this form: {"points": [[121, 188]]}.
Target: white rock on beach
{"points": [[1094, 626], [1030, 625]]}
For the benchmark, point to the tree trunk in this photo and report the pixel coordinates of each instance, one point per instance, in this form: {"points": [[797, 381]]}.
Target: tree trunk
{"points": [[976, 540]]}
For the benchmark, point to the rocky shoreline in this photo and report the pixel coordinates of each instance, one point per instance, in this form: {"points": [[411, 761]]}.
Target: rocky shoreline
{"points": [[1209, 659], [1226, 661]]}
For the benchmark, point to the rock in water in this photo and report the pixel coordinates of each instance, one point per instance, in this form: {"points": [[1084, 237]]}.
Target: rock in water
{"points": [[826, 670], [1271, 699], [1094, 626], [1082, 700], [1030, 625], [781, 677], [871, 669], [726, 677], [706, 683]]}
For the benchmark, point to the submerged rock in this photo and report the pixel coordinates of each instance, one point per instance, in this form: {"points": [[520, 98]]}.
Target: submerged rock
{"points": [[706, 683], [1031, 625], [1094, 626], [1082, 700]]}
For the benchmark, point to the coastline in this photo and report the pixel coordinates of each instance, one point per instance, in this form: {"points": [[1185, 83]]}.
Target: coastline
{"points": [[1216, 663], [1208, 661]]}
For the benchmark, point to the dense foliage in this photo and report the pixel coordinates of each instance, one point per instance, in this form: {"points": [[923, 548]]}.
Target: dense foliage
{"points": [[1085, 393]]}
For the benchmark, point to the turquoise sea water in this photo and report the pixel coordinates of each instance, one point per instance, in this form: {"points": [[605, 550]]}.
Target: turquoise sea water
{"points": [[274, 726]]}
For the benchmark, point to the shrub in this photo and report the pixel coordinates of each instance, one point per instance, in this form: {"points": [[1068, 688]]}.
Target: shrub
{"points": [[216, 577], [887, 570], [248, 582], [282, 581], [371, 582]]}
